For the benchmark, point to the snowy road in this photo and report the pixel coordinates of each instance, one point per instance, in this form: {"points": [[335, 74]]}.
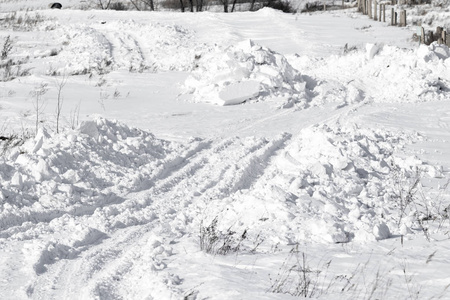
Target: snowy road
{"points": [[320, 159]]}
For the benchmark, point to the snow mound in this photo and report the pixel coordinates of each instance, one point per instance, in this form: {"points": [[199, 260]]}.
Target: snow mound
{"points": [[79, 171], [433, 52], [380, 73], [105, 46], [328, 184], [243, 72]]}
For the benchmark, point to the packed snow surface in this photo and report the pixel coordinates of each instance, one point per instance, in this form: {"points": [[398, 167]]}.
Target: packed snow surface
{"points": [[262, 155]]}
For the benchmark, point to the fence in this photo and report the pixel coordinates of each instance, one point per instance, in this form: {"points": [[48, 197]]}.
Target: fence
{"points": [[377, 12], [440, 36]]}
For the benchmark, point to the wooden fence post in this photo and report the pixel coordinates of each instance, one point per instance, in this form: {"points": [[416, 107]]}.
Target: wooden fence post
{"points": [[384, 12], [392, 17], [403, 18], [430, 37], [444, 37], [375, 13], [439, 35], [380, 6], [370, 9], [422, 35]]}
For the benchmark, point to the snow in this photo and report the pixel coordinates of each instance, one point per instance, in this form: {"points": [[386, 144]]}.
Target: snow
{"points": [[294, 145]]}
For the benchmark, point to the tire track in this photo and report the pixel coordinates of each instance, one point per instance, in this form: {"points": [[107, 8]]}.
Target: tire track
{"points": [[217, 171]]}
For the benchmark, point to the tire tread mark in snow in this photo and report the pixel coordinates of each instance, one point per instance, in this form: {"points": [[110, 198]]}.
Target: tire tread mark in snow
{"points": [[223, 169], [14, 224]]}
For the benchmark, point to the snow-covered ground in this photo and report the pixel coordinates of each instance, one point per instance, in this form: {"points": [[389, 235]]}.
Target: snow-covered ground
{"points": [[326, 178]]}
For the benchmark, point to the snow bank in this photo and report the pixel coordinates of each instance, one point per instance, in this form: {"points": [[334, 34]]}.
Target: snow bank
{"points": [[328, 184], [386, 73], [104, 46], [79, 171], [243, 72], [380, 73]]}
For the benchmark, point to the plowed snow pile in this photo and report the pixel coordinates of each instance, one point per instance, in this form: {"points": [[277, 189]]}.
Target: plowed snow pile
{"points": [[244, 72], [380, 73], [78, 172], [329, 184]]}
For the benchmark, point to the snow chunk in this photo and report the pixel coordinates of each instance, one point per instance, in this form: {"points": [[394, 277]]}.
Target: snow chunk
{"points": [[41, 171], [371, 50], [90, 128], [381, 231], [239, 92], [17, 180]]}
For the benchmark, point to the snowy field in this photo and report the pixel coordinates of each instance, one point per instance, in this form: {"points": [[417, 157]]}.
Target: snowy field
{"points": [[250, 155]]}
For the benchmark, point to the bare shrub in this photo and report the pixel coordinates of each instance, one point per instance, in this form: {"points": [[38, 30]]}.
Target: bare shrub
{"points": [[283, 5], [118, 6]]}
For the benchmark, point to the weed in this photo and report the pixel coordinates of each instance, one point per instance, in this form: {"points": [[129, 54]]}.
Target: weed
{"points": [[60, 100], [38, 103], [103, 97], [9, 141], [411, 199], [75, 116], [348, 49], [116, 94], [21, 22], [9, 68], [296, 278], [7, 47], [214, 241], [406, 188]]}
